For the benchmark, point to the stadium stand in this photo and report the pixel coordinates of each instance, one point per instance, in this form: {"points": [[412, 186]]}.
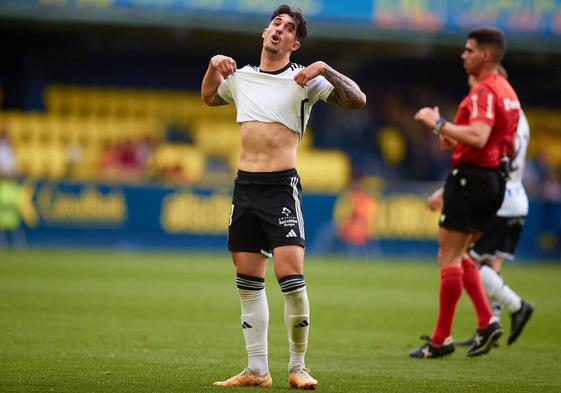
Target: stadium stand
{"points": [[83, 124]]}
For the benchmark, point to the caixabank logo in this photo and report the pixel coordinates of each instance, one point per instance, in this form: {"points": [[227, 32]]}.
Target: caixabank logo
{"points": [[85, 204]]}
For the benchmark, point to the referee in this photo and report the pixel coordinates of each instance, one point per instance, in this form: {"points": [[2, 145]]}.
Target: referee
{"points": [[481, 134]]}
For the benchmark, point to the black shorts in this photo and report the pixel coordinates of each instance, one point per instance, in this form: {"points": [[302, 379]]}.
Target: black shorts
{"points": [[472, 196], [499, 238], [266, 212]]}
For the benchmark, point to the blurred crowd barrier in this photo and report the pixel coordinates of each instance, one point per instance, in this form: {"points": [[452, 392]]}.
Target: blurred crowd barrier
{"points": [[370, 219]]}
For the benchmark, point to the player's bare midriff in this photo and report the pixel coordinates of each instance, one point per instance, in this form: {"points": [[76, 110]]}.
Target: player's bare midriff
{"points": [[267, 147]]}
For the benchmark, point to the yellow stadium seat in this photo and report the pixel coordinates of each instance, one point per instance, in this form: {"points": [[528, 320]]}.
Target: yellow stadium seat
{"points": [[19, 128], [219, 138], [86, 166], [76, 100], [52, 129], [42, 161], [307, 142], [55, 99], [324, 170], [392, 144], [21, 155], [178, 162], [55, 159]]}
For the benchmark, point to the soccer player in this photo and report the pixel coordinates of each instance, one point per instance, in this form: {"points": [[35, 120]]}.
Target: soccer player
{"points": [[273, 103], [482, 132], [500, 236]]}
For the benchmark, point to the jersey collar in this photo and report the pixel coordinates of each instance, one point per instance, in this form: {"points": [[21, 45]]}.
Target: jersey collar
{"points": [[283, 69]]}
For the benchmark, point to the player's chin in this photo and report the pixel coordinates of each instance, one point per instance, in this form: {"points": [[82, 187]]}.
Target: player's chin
{"points": [[271, 49]]}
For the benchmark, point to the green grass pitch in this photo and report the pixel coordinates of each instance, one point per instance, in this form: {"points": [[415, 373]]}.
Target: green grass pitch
{"points": [[106, 321]]}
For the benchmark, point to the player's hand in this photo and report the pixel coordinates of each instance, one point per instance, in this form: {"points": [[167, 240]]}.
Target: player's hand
{"points": [[428, 116], [436, 200], [446, 143], [310, 72], [225, 65]]}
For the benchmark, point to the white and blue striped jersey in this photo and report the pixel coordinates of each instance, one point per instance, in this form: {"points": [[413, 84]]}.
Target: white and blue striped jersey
{"points": [[515, 203], [274, 97]]}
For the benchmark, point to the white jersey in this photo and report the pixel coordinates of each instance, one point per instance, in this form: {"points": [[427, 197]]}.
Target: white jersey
{"points": [[515, 203], [274, 97]]}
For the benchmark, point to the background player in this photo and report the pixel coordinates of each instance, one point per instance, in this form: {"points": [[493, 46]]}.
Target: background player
{"points": [[500, 237]]}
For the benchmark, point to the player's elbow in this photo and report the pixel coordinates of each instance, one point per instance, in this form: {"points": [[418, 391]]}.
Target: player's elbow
{"points": [[480, 134], [479, 145], [480, 142], [207, 100], [360, 101]]}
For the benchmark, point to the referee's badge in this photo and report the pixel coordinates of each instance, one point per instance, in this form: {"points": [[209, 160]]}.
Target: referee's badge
{"points": [[463, 182]]}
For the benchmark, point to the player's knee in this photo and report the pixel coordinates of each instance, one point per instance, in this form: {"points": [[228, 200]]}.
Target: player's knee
{"points": [[292, 285]]}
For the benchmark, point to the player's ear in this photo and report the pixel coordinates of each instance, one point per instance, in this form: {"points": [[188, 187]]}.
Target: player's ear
{"points": [[264, 31], [487, 54], [296, 45]]}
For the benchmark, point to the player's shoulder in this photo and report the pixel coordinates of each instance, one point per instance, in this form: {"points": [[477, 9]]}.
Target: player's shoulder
{"points": [[295, 66], [483, 86], [495, 83], [289, 70]]}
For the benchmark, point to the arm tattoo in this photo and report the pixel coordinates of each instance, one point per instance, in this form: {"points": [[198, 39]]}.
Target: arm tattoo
{"points": [[346, 92]]}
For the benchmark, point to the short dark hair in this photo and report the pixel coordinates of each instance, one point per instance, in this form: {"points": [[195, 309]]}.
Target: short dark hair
{"points": [[297, 15], [492, 37]]}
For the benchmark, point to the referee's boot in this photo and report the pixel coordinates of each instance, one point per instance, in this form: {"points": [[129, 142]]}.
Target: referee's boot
{"points": [[431, 351], [485, 338], [468, 342], [519, 320]]}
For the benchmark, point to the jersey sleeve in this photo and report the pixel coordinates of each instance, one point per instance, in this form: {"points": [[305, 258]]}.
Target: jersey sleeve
{"points": [[224, 90], [483, 104], [319, 88]]}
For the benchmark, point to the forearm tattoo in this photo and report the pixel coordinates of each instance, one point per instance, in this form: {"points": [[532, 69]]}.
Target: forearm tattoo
{"points": [[346, 92]]}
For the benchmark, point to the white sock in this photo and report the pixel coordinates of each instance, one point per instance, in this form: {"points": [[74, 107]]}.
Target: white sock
{"points": [[496, 308], [498, 291], [296, 317], [255, 322]]}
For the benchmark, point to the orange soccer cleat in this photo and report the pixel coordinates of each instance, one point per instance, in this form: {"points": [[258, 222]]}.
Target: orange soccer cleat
{"points": [[247, 378], [299, 378]]}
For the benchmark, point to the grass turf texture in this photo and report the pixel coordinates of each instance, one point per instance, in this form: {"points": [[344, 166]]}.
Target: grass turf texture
{"points": [[91, 321]]}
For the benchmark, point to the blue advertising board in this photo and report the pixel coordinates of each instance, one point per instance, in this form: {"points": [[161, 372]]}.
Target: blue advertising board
{"points": [[117, 216]]}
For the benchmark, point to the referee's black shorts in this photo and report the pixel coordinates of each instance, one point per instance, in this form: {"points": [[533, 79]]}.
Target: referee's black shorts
{"points": [[266, 212], [472, 196]]}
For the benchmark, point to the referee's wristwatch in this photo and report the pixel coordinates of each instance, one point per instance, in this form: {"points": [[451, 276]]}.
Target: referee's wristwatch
{"points": [[439, 124]]}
